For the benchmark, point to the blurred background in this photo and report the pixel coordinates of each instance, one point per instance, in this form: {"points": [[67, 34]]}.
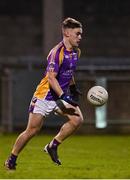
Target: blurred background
{"points": [[30, 28]]}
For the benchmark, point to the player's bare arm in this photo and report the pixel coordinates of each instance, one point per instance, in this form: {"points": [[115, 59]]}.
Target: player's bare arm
{"points": [[54, 83], [56, 87]]}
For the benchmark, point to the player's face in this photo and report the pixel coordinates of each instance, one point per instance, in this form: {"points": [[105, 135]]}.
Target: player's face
{"points": [[75, 36]]}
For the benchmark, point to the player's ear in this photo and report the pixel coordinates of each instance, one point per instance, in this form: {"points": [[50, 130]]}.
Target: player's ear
{"points": [[66, 32]]}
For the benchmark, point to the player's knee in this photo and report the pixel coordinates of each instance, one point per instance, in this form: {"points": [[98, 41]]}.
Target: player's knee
{"points": [[35, 131], [77, 121], [32, 131], [80, 120]]}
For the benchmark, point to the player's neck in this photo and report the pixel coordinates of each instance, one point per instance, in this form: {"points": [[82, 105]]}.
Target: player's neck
{"points": [[67, 45]]}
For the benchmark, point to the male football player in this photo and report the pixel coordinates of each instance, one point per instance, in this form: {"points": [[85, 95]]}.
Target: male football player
{"points": [[56, 92]]}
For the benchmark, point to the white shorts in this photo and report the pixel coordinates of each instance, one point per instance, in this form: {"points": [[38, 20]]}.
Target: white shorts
{"points": [[45, 107], [41, 106]]}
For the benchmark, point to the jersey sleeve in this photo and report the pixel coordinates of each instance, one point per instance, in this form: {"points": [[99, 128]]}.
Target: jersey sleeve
{"points": [[54, 60]]}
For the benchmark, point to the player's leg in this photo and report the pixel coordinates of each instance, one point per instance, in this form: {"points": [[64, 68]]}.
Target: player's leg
{"points": [[34, 125], [75, 119], [74, 122]]}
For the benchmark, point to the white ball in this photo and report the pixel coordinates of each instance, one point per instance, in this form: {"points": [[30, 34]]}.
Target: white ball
{"points": [[97, 95]]}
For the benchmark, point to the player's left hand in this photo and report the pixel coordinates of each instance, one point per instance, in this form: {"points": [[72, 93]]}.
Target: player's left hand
{"points": [[75, 92]]}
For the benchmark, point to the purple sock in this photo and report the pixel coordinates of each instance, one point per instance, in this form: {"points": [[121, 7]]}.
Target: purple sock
{"points": [[12, 158], [54, 143]]}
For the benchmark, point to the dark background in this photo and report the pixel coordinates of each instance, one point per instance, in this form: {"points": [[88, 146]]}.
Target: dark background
{"points": [[105, 53]]}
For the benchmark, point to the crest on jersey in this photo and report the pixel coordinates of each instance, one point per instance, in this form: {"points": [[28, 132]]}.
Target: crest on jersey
{"points": [[66, 56], [51, 66]]}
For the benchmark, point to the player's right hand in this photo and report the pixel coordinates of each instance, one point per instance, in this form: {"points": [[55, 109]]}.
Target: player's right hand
{"points": [[68, 99]]}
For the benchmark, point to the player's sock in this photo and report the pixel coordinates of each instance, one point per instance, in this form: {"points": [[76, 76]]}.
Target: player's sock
{"points": [[54, 143], [10, 163], [13, 158]]}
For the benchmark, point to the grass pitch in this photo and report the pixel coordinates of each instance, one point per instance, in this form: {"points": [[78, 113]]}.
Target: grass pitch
{"points": [[83, 157]]}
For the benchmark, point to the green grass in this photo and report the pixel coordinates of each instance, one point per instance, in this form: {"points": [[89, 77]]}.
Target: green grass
{"points": [[83, 157]]}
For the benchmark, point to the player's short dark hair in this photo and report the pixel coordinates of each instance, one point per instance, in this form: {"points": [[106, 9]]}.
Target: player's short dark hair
{"points": [[71, 23]]}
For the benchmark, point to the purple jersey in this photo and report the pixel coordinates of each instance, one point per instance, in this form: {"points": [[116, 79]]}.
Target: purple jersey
{"points": [[63, 62]]}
